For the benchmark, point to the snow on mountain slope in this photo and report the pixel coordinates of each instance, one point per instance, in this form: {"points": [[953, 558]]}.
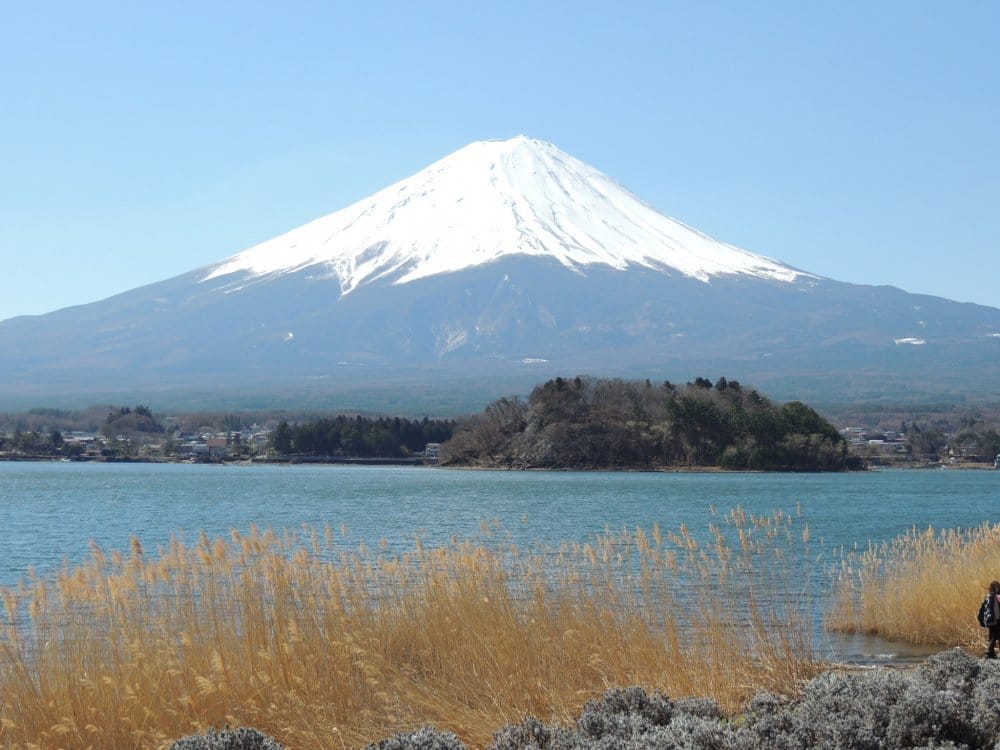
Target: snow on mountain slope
{"points": [[488, 200]]}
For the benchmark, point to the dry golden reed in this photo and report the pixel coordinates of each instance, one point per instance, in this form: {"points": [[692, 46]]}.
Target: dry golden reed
{"points": [[922, 587], [321, 647]]}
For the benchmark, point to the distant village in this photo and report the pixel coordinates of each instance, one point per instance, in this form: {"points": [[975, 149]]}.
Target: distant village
{"points": [[251, 444], [883, 449], [137, 435]]}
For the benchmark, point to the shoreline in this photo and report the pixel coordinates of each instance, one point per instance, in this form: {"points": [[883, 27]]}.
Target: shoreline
{"points": [[417, 461]]}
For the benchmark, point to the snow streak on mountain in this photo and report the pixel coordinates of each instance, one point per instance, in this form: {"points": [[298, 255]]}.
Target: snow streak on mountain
{"points": [[489, 200]]}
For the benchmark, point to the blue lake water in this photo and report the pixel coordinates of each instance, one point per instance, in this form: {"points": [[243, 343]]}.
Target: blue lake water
{"points": [[49, 512]]}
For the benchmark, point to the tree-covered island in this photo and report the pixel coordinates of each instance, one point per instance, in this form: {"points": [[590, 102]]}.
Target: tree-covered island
{"points": [[587, 423]]}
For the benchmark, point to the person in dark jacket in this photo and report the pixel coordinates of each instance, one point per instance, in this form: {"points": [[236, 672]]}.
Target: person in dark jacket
{"points": [[993, 619]]}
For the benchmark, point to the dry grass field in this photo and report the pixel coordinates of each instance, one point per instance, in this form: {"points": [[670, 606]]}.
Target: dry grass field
{"points": [[324, 647]]}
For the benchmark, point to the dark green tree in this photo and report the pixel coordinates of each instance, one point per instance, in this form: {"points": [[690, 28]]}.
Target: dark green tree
{"points": [[281, 438]]}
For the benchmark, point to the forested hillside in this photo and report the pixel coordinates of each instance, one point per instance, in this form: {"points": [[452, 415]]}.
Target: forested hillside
{"points": [[611, 423]]}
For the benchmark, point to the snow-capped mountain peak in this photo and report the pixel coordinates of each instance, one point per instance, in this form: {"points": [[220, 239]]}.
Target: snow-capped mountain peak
{"points": [[488, 200], [525, 264]]}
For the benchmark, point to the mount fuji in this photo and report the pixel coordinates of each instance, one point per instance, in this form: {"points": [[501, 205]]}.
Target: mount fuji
{"points": [[487, 202], [502, 264]]}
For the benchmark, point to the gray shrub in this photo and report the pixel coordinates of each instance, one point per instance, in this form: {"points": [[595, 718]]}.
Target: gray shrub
{"points": [[625, 711], [425, 738], [845, 711], [951, 702], [529, 734], [706, 708], [985, 701], [694, 732], [243, 738], [951, 670], [925, 715], [767, 723]]}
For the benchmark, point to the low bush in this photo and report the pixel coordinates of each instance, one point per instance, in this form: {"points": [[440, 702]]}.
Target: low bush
{"points": [[243, 738], [949, 702]]}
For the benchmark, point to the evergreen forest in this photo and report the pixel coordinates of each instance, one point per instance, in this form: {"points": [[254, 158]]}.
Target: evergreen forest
{"points": [[383, 437]]}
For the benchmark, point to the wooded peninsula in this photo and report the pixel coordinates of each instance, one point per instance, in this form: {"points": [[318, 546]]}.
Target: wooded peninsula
{"points": [[586, 423]]}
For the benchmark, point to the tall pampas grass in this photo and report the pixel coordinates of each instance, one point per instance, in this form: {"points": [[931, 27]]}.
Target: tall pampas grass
{"points": [[922, 587], [323, 647]]}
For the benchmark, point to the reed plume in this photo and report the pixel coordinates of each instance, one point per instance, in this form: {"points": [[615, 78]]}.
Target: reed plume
{"points": [[320, 646], [922, 587]]}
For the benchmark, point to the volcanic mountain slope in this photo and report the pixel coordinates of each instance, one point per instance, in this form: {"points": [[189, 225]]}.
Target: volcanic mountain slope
{"points": [[507, 260]]}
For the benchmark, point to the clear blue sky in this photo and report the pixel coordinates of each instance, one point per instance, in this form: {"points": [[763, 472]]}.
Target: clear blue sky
{"points": [[138, 141]]}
